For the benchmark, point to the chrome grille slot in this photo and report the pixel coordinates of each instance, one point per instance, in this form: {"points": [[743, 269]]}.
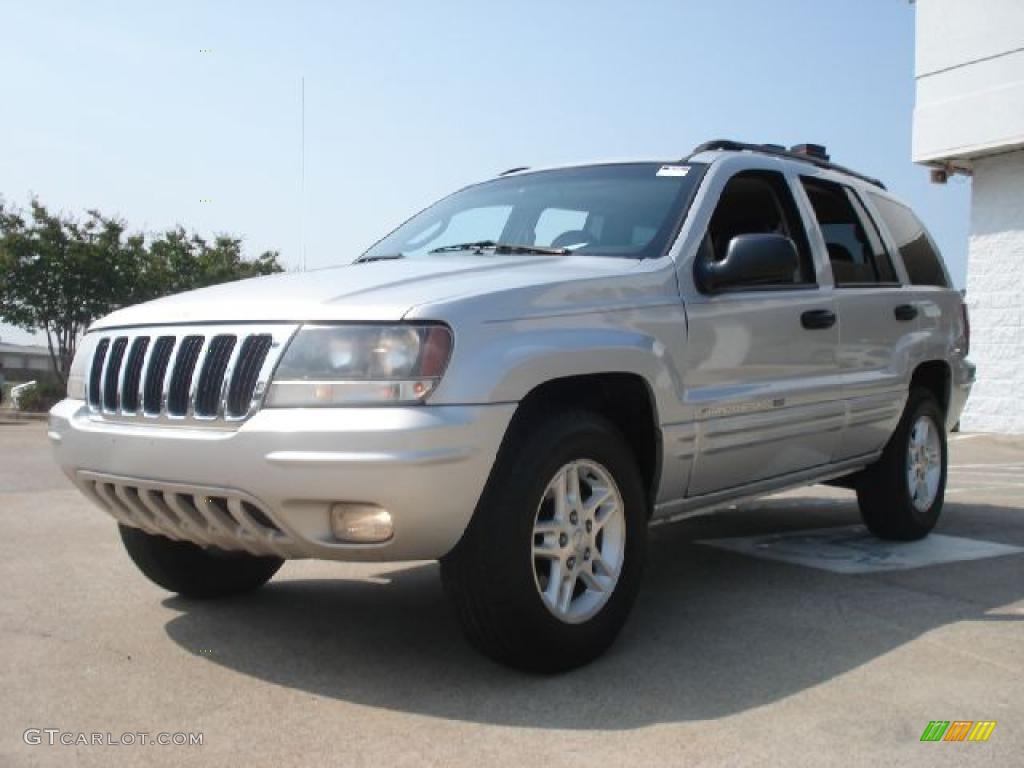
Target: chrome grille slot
{"points": [[181, 379], [130, 393], [96, 372], [246, 374], [201, 376], [153, 389], [112, 373], [212, 376]]}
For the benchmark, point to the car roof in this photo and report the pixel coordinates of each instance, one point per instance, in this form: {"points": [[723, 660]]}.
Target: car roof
{"points": [[711, 151]]}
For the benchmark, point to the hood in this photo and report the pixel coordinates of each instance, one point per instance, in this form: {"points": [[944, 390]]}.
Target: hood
{"points": [[373, 291]]}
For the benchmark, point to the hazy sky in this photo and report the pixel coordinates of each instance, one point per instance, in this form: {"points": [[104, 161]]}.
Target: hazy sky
{"points": [[118, 107]]}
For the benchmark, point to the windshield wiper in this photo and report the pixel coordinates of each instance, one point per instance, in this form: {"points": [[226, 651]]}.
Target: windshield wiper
{"points": [[475, 246], [480, 245], [379, 257]]}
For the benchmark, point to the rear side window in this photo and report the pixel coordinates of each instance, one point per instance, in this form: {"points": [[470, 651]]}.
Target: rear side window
{"points": [[855, 249], [924, 267]]}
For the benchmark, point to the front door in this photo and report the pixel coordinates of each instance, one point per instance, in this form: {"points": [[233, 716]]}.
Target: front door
{"points": [[761, 372]]}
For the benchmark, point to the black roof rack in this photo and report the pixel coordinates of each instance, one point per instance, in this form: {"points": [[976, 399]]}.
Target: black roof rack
{"points": [[815, 154], [517, 169]]}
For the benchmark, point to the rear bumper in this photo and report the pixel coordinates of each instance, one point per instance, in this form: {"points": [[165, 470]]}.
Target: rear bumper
{"points": [[426, 465]]}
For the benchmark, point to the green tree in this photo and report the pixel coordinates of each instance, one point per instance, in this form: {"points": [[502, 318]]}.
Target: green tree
{"points": [[59, 274]]}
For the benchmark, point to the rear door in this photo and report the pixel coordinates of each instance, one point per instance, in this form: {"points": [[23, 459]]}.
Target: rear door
{"points": [[878, 317], [939, 317], [761, 363]]}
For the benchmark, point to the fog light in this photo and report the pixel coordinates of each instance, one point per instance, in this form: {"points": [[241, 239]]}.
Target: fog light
{"points": [[361, 523]]}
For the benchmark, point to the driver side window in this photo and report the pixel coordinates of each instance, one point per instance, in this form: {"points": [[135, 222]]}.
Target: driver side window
{"points": [[758, 202]]}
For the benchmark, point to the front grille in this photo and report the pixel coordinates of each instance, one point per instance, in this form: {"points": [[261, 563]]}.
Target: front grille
{"points": [[196, 376]]}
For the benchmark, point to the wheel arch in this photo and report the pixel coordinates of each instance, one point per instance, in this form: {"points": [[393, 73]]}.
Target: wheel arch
{"points": [[624, 398], [936, 377]]}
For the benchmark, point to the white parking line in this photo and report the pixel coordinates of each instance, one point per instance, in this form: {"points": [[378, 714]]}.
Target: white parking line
{"points": [[851, 549], [984, 488], [987, 477], [1009, 465]]}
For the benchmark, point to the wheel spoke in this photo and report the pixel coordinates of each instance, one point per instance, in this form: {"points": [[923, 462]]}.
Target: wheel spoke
{"points": [[573, 486], [547, 527], [547, 549], [591, 580], [599, 496], [565, 594], [921, 490], [560, 491], [556, 574], [598, 563], [605, 513]]}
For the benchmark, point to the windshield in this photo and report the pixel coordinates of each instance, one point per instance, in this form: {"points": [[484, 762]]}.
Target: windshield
{"points": [[630, 210]]}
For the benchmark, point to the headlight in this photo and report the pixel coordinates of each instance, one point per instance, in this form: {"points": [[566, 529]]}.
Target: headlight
{"points": [[360, 364], [79, 370]]}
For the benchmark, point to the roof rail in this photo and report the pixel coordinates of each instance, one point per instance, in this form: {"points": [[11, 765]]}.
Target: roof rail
{"points": [[517, 169], [808, 153]]}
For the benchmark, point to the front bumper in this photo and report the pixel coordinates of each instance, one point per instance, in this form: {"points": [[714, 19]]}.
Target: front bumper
{"points": [[267, 486]]}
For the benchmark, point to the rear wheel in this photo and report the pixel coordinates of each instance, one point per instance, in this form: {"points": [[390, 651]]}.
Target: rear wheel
{"points": [[191, 570], [546, 573], [901, 495]]}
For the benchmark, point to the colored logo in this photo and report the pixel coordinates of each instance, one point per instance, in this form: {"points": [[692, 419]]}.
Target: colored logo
{"points": [[958, 730]]}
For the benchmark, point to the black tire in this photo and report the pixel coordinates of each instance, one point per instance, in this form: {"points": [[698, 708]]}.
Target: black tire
{"points": [[193, 571], [489, 576], [883, 490]]}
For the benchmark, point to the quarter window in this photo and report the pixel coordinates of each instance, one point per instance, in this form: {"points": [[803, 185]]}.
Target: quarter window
{"points": [[924, 267], [855, 249]]}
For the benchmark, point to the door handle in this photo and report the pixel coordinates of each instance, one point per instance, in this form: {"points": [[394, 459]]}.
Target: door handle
{"points": [[905, 312], [814, 319]]}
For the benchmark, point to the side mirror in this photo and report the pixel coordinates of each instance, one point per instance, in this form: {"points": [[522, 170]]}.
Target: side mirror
{"points": [[750, 260]]}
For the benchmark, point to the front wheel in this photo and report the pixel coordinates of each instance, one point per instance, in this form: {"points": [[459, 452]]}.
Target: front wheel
{"points": [[546, 573], [191, 570], [901, 494]]}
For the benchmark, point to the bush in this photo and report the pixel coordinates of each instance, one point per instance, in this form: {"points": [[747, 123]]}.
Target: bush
{"points": [[40, 398]]}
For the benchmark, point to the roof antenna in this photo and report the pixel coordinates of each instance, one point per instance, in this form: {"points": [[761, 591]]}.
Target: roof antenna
{"points": [[302, 178]]}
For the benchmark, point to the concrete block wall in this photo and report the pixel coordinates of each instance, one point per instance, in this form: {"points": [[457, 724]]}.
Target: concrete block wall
{"points": [[995, 294]]}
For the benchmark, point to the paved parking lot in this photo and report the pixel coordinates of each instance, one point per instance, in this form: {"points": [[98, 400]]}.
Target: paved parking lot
{"points": [[728, 659]]}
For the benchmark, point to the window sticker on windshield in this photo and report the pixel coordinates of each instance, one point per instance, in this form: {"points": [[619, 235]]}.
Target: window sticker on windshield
{"points": [[673, 170]]}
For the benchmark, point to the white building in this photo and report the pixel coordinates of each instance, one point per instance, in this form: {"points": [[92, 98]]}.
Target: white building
{"points": [[969, 117], [24, 362]]}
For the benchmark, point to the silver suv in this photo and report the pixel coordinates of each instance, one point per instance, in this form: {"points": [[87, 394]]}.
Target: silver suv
{"points": [[521, 377]]}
